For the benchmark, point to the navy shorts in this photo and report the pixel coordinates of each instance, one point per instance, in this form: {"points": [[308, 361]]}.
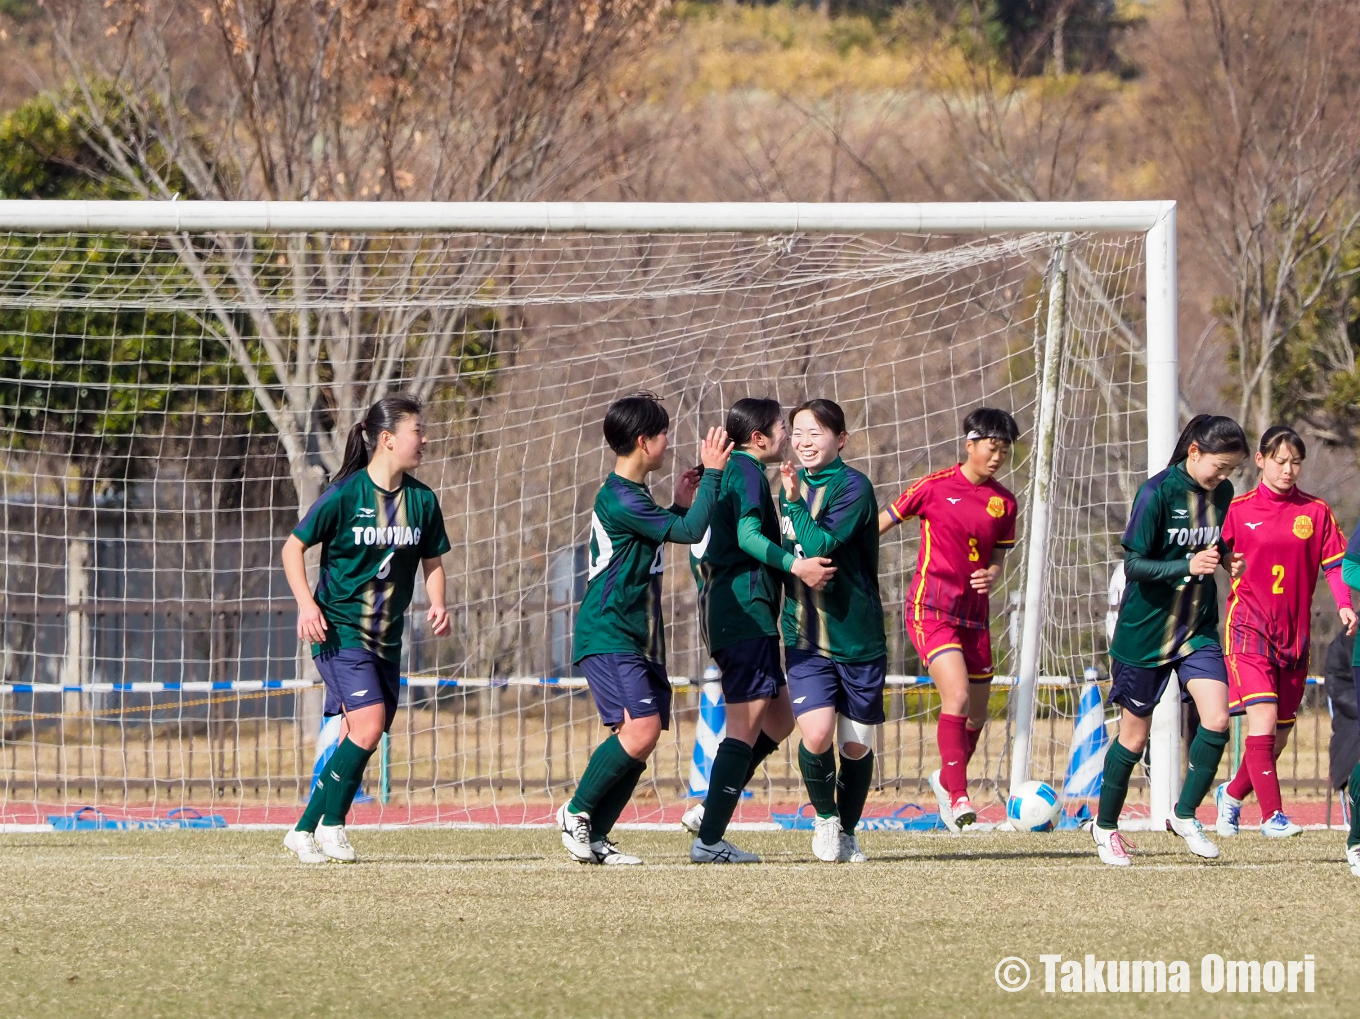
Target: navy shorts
{"points": [[855, 691], [751, 670], [620, 682], [1139, 688], [356, 677]]}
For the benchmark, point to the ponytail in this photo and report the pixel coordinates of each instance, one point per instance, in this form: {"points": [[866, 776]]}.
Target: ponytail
{"points": [[383, 416], [1210, 433]]}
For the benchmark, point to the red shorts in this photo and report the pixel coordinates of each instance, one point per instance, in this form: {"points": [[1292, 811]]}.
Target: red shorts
{"points": [[933, 637], [1255, 679]]}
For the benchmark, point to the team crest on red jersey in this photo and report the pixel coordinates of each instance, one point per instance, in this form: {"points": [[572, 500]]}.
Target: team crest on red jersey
{"points": [[1303, 527], [996, 506]]}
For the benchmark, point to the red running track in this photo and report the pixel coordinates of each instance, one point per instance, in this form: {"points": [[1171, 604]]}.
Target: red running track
{"points": [[539, 813]]}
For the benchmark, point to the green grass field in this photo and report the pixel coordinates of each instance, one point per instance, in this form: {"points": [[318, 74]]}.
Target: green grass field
{"points": [[498, 923]]}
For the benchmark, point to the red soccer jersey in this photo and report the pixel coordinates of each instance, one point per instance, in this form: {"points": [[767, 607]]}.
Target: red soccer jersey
{"points": [[960, 525], [1286, 539]]}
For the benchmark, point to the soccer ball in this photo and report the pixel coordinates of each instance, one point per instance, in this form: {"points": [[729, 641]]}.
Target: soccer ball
{"points": [[1033, 807]]}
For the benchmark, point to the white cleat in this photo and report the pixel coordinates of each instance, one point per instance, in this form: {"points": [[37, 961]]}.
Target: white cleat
{"points": [[963, 812], [850, 850], [1353, 858], [575, 834], [693, 818], [1196, 841], [610, 855], [302, 844], [942, 801], [335, 843], [1277, 826], [1229, 812], [720, 852], [826, 838], [1112, 847]]}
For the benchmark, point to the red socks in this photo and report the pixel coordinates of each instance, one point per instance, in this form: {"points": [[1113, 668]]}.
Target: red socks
{"points": [[1240, 786], [952, 736], [973, 736], [1260, 759], [1257, 774]]}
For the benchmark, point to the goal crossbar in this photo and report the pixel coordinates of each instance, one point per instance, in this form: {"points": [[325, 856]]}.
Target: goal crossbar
{"points": [[1156, 220]]}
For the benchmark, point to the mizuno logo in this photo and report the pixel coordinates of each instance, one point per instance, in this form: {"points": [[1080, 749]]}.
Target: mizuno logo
{"points": [[799, 700], [732, 790], [645, 700], [335, 776], [360, 693], [1254, 526], [1137, 704], [954, 501], [364, 511], [1265, 773]]}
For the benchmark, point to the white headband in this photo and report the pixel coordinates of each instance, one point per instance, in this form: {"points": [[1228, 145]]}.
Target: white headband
{"points": [[975, 434]]}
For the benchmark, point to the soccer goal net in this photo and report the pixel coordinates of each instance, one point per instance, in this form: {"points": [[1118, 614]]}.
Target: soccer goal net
{"points": [[178, 380]]}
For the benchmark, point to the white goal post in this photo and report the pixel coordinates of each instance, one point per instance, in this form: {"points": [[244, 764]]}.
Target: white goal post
{"points": [[1155, 221]]}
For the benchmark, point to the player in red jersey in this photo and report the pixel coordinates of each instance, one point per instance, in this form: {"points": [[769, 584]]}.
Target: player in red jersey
{"points": [[967, 524], [1283, 536]]}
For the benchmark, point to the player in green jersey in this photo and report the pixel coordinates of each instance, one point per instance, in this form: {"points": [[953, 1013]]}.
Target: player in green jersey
{"points": [[1168, 621], [376, 524], [741, 587], [835, 648], [620, 637]]}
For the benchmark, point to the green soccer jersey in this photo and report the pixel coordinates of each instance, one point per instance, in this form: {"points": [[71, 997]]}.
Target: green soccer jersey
{"points": [[621, 610], [372, 542], [838, 518], [1162, 620], [740, 595]]}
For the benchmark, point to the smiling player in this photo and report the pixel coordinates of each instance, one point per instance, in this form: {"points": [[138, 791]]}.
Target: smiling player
{"points": [[835, 650], [1168, 621], [1283, 536], [967, 524]]}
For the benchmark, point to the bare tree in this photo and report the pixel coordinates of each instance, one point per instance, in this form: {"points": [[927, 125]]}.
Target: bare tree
{"points": [[349, 99], [1255, 105]]}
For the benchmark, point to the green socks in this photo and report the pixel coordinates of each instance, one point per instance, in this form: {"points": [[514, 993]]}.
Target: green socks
{"points": [[731, 765], [819, 775], [1206, 750], [764, 748], [316, 805], [1353, 791], [612, 803], [852, 789], [1114, 784], [343, 774], [608, 764]]}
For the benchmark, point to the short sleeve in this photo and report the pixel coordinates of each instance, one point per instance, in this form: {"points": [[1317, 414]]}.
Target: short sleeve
{"points": [[911, 502], [639, 514], [1145, 521], [321, 523], [434, 540], [851, 509], [746, 491], [1007, 539], [1333, 545]]}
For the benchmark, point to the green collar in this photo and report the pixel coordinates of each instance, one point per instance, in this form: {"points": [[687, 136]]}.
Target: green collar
{"points": [[1183, 476], [821, 477]]}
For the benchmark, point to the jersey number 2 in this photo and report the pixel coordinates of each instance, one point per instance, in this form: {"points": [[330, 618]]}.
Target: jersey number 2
{"points": [[1278, 573]]}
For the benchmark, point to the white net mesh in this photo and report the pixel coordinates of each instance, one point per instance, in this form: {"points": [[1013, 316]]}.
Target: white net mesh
{"points": [[172, 402]]}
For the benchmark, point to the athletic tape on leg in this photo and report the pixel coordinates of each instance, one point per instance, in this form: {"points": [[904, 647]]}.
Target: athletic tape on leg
{"points": [[850, 731]]}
